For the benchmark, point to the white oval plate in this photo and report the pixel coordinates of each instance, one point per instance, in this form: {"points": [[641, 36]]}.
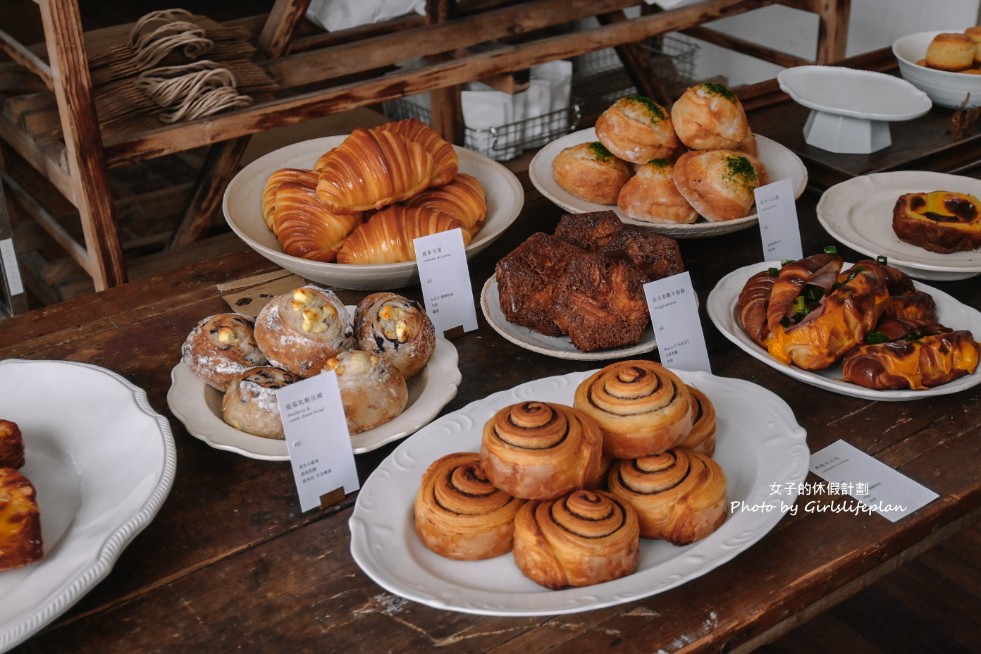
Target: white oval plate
{"points": [[779, 161], [102, 462], [862, 94], [858, 212], [242, 207], [722, 311], [555, 346], [756, 449], [198, 406]]}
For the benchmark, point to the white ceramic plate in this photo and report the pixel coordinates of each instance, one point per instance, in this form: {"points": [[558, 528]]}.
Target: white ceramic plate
{"points": [[862, 94], [198, 406], [242, 200], [556, 346], [945, 89], [722, 311], [755, 449], [858, 212], [102, 462], [779, 161]]}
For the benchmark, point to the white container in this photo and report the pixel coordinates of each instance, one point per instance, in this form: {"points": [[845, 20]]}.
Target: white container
{"points": [[944, 88]]}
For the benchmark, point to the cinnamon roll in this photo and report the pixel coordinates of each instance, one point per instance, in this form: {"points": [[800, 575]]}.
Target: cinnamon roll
{"points": [[679, 495], [373, 391], [580, 539], [701, 438], [300, 330], [642, 407], [459, 514], [392, 326], [540, 450], [250, 402], [220, 347]]}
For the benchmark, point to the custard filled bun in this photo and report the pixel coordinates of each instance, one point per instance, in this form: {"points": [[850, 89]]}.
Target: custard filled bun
{"points": [[637, 129], [719, 184], [590, 172], [710, 117], [651, 195]]}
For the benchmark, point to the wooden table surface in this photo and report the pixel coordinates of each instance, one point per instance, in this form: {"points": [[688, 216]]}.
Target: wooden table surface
{"points": [[230, 562]]}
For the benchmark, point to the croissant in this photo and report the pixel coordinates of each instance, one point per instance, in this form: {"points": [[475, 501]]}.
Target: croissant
{"points": [[459, 514], [445, 161], [371, 169], [463, 198], [583, 538], [388, 235], [306, 178], [540, 450], [679, 495], [305, 227], [913, 364]]}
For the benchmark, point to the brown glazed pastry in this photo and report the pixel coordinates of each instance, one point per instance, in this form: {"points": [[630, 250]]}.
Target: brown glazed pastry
{"points": [[372, 169], [583, 538], [525, 281], [701, 438], [913, 364], [463, 198], [300, 330], [220, 347], [651, 195], [373, 391], [818, 271], [394, 327], [915, 306], [250, 402], [938, 221], [642, 407], [599, 302], [304, 178], [20, 521], [950, 51], [709, 116], [387, 237], [974, 33], [753, 303], [459, 514], [11, 445], [305, 227], [540, 450], [591, 172], [656, 256], [446, 164], [679, 495], [637, 129], [719, 184]]}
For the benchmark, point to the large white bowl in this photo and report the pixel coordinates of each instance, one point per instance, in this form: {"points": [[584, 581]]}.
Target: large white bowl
{"points": [[242, 201], [945, 89]]}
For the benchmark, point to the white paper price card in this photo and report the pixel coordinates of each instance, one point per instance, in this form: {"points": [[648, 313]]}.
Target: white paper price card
{"points": [[317, 438], [673, 306], [876, 486], [445, 278], [778, 221]]}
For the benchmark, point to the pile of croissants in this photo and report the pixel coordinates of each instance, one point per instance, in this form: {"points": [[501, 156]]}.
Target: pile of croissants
{"points": [[365, 201], [571, 490], [812, 313]]}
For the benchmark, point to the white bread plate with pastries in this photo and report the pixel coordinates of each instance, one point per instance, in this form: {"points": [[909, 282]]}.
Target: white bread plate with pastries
{"points": [[242, 207], [946, 88]]}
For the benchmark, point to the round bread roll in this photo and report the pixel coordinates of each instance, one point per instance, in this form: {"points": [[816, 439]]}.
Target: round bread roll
{"points": [[950, 51], [373, 391], [637, 129], [974, 33], [220, 347], [580, 539], [300, 330], [250, 403], [541, 450], [701, 438], [651, 195], [709, 116], [679, 495], [396, 328], [719, 184], [642, 407], [459, 514], [591, 172]]}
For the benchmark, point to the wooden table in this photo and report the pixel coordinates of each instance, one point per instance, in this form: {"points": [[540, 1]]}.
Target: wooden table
{"points": [[230, 562]]}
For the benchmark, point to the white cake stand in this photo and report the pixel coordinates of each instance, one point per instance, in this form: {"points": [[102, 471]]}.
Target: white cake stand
{"points": [[851, 109]]}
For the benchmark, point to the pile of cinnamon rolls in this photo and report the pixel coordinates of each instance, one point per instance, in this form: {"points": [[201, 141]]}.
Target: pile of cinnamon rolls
{"points": [[570, 491]]}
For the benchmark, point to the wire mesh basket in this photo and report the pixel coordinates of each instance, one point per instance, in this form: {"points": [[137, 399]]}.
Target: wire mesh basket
{"points": [[502, 142]]}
